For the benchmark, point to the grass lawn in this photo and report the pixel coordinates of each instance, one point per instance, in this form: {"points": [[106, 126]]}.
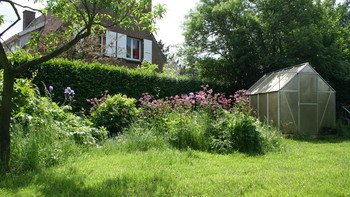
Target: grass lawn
{"points": [[304, 168]]}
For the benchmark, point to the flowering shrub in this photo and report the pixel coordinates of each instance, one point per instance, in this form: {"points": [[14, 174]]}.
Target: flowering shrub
{"points": [[116, 113], [203, 100], [242, 101], [95, 102]]}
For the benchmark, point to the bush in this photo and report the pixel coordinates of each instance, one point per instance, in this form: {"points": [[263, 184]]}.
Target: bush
{"points": [[89, 80], [44, 134], [29, 109], [116, 113], [240, 132]]}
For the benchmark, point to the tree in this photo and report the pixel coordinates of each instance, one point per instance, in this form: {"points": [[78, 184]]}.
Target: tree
{"points": [[238, 40], [81, 18]]}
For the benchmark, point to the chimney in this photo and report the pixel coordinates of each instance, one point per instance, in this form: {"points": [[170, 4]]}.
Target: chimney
{"points": [[28, 17]]}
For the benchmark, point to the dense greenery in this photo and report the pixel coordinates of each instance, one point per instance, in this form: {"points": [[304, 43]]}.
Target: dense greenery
{"points": [[116, 113], [80, 19], [90, 80], [238, 41], [200, 121], [311, 168], [44, 134]]}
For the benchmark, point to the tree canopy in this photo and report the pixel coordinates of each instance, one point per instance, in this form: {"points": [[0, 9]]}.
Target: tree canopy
{"points": [[237, 41]]}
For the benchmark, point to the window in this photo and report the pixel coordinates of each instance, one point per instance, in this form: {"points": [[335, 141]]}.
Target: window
{"points": [[102, 44], [133, 49]]}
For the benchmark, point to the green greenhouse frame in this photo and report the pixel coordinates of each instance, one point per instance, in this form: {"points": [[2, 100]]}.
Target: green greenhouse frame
{"points": [[295, 99]]}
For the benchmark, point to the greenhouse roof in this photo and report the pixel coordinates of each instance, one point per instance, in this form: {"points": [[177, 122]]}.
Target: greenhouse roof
{"points": [[275, 81]]}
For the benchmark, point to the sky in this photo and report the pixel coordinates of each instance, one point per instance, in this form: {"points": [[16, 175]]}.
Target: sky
{"points": [[169, 27]]}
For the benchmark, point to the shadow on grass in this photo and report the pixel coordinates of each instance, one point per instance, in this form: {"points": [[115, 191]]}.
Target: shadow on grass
{"points": [[322, 139], [73, 184]]}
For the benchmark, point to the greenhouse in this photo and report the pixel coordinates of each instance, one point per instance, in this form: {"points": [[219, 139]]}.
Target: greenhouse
{"points": [[295, 99]]}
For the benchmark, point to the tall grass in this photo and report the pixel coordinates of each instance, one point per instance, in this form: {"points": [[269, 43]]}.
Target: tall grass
{"points": [[44, 134], [39, 147], [199, 130], [189, 130]]}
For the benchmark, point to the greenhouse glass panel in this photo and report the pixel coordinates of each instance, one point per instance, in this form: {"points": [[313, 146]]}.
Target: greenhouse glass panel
{"points": [[326, 114], [281, 80], [298, 68], [292, 83], [323, 101], [308, 91], [268, 83], [289, 111], [307, 69], [322, 85], [254, 103], [255, 87], [308, 119], [275, 82], [262, 107], [273, 109]]}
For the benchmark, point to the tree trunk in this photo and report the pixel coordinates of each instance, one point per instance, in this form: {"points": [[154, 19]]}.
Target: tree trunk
{"points": [[5, 118]]}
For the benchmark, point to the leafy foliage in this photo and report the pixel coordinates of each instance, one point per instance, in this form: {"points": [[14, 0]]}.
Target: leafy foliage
{"points": [[237, 41], [237, 132], [44, 134], [80, 18], [202, 121], [89, 80], [116, 113]]}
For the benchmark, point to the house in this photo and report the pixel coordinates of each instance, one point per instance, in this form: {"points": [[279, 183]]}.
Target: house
{"points": [[295, 99], [118, 46]]}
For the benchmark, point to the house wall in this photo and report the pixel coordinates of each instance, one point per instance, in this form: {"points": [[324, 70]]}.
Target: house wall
{"points": [[157, 56], [54, 25]]}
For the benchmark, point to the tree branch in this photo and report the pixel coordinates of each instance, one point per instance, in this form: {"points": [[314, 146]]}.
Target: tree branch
{"points": [[23, 6], [18, 17], [55, 53]]}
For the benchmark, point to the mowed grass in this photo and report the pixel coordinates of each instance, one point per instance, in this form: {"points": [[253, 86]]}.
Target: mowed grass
{"points": [[304, 168]]}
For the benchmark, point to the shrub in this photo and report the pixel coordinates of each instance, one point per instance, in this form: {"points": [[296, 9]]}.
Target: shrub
{"points": [[44, 134], [240, 132], [89, 80], [116, 113], [236, 132], [31, 110], [203, 100]]}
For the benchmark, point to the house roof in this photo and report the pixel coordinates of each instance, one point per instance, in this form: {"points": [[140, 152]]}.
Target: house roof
{"points": [[39, 23], [277, 80]]}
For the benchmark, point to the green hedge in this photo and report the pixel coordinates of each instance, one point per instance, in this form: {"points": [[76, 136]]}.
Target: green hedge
{"points": [[90, 80]]}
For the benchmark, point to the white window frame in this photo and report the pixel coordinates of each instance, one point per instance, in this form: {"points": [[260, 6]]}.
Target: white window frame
{"points": [[102, 44], [132, 49]]}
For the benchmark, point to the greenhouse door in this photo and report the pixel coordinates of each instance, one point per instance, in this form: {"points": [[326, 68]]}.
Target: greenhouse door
{"points": [[308, 107], [308, 119]]}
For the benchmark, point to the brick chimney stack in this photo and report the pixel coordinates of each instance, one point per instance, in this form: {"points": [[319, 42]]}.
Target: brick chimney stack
{"points": [[28, 17]]}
